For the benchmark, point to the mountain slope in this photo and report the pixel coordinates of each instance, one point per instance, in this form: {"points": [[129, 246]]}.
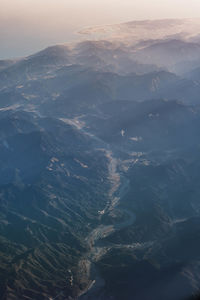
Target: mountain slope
{"points": [[43, 214]]}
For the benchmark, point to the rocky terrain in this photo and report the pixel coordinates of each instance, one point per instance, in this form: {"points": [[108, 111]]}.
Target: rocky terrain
{"points": [[99, 181]]}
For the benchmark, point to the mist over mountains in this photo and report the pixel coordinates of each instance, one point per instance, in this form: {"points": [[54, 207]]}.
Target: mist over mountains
{"points": [[99, 181]]}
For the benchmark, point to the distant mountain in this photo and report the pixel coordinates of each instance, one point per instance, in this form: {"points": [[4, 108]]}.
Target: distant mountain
{"points": [[169, 53], [194, 74], [35, 65], [107, 56], [89, 88], [6, 63], [71, 89], [134, 31], [150, 125]]}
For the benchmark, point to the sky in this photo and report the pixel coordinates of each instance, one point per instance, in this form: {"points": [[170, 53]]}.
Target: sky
{"points": [[27, 26]]}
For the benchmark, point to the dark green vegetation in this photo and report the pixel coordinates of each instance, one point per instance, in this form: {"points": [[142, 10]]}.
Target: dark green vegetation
{"points": [[99, 181]]}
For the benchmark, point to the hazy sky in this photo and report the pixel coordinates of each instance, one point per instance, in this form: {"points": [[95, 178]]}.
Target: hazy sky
{"points": [[29, 25]]}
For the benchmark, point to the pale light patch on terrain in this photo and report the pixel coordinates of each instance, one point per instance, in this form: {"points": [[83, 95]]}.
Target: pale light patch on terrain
{"points": [[114, 176], [155, 84], [126, 164], [80, 163], [145, 162], [5, 222], [176, 221], [137, 154], [49, 168], [136, 138], [11, 107], [55, 96], [76, 122], [101, 212], [49, 186], [54, 159], [52, 196], [71, 279], [50, 76], [153, 115], [29, 97], [122, 132], [68, 173], [81, 178]]}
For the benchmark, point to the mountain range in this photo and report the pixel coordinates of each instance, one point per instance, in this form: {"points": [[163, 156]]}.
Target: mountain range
{"points": [[99, 181]]}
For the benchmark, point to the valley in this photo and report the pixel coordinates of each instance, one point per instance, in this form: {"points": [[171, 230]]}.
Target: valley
{"points": [[99, 160]]}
